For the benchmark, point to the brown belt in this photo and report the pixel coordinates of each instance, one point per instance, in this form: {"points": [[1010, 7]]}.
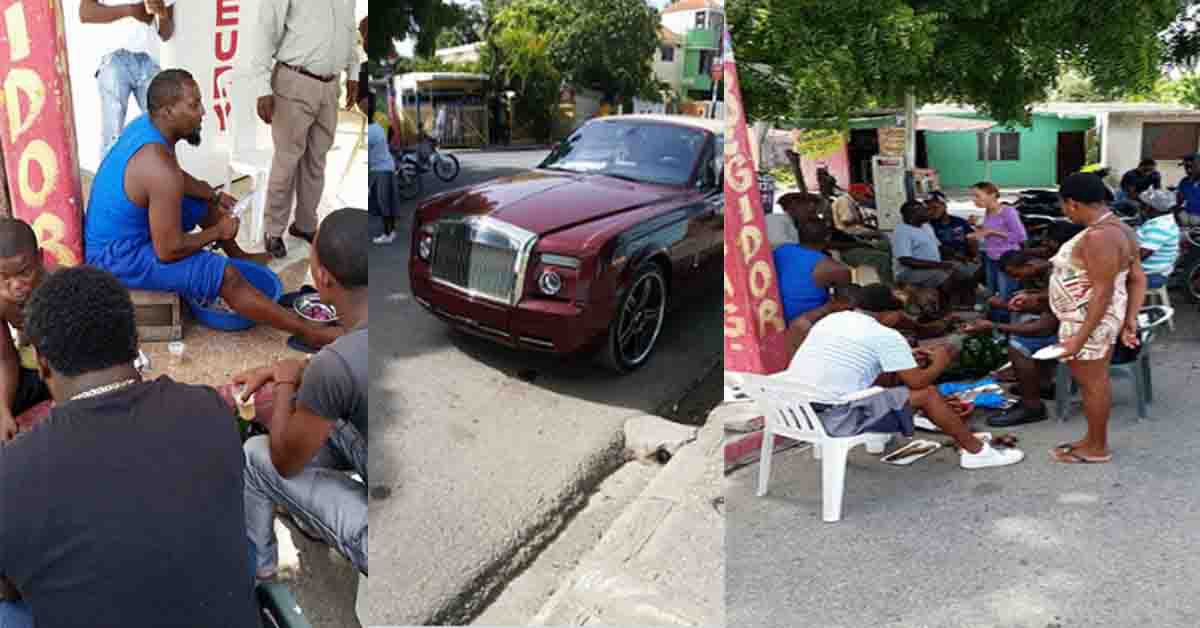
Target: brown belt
{"points": [[300, 70]]}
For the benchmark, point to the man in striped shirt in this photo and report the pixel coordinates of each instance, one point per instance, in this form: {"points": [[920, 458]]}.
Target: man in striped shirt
{"points": [[848, 352], [1158, 239]]}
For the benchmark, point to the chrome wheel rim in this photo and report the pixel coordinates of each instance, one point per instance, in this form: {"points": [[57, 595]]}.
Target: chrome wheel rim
{"points": [[641, 319]]}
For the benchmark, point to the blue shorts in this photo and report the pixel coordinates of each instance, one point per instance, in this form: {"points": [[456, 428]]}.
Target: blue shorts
{"points": [[1029, 345], [1155, 280], [197, 276]]}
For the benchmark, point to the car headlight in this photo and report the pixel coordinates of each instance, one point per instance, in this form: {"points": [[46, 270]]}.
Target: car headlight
{"points": [[425, 243], [556, 276], [550, 282]]}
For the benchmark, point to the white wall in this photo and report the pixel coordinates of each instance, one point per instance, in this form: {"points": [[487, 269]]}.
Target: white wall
{"points": [[669, 71], [1122, 146], [191, 47], [683, 21]]}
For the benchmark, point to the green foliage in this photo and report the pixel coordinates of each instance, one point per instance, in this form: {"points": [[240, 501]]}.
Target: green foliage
{"points": [[469, 27], [1072, 87], [534, 47], [423, 19], [522, 36], [1187, 90], [827, 58], [608, 45]]}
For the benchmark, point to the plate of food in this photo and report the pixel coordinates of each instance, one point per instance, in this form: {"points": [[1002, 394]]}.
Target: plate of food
{"points": [[310, 308]]}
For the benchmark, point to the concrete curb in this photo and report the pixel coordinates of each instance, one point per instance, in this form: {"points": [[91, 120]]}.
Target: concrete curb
{"points": [[507, 562], [661, 562], [484, 585]]}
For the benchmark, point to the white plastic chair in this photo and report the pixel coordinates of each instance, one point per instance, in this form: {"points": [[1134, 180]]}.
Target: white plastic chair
{"points": [[1164, 299], [254, 163], [787, 409], [1150, 317]]}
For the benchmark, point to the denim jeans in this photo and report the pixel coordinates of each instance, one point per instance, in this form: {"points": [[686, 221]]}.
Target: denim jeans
{"points": [[121, 73], [323, 499], [998, 281], [15, 615]]}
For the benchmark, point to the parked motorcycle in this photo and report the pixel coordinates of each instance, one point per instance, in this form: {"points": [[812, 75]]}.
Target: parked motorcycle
{"points": [[427, 158], [1187, 270]]}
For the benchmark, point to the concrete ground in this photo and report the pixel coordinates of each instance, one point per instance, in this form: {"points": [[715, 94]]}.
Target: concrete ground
{"points": [[1036, 545], [479, 452], [323, 582]]}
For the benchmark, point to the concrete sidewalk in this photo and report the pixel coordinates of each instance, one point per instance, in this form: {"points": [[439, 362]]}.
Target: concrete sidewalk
{"points": [[662, 561], [1035, 545]]}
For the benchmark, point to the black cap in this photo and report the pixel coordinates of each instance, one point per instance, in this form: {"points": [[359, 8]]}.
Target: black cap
{"points": [[935, 195], [1084, 187], [1191, 157]]}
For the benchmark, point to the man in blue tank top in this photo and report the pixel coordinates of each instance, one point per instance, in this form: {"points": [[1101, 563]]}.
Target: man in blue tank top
{"points": [[144, 208]]}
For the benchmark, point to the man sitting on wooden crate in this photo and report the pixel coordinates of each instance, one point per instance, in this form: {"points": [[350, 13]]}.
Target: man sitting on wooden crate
{"points": [[319, 422], [144, 209], [21, 272]]}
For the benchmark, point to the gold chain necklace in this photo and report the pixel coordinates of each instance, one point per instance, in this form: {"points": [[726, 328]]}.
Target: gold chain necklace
{"points": [[107, 388]]}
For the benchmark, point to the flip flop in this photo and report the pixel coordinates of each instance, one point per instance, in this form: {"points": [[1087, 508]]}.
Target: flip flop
{"points": [[297, 344], [1065, 454]]}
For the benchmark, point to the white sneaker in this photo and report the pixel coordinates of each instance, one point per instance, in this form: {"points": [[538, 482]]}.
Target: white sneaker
{"points": [[990, 457], [385, 238]]}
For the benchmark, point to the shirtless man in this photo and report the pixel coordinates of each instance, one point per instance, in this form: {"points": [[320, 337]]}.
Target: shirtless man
{"points": [[144, 209], [1096, 289], [21, 272]]}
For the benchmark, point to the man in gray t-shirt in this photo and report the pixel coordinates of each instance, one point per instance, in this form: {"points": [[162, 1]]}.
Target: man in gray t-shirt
{"points": [[316, 440]]}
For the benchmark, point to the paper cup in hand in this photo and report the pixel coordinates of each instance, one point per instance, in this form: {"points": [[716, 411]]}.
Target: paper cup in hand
{"points": [[245, 404]]}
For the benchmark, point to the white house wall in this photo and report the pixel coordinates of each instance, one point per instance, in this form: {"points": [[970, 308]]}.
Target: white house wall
{"points": [[1122, 145], [670, 72]]}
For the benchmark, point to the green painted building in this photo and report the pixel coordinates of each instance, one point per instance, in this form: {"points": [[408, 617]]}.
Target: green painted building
{"points": [[1040, 155]]}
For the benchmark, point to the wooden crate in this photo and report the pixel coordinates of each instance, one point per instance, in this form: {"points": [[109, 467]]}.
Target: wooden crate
{"points": [[159, 315]]}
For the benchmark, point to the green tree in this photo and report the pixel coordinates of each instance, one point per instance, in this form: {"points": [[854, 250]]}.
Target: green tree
{"points": [[468, 28], [828, 58], [1071, 87], [520, 41], [609, 45], [423, 19]]}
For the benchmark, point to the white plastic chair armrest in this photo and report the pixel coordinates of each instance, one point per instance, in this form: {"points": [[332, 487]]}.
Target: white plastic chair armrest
{"points": [[863, 394]]}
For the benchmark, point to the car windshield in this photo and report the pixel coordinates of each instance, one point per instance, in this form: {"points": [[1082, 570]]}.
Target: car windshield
{"points": [[633, 150]]}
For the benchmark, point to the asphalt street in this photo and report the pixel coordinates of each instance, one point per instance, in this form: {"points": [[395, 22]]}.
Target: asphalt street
{"points": [[1035, 545], [478, 451]]}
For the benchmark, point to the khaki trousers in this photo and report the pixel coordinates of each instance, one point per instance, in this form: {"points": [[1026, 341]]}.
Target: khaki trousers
{"points": [[306, 115]]}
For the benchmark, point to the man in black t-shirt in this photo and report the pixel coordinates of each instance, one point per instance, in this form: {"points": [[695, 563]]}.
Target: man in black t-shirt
{"points": [[1140, 179], [325, 428], [124, 507]]}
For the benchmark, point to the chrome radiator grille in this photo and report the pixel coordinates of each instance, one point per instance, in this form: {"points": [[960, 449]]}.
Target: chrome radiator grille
{"points": [[480, 260]]}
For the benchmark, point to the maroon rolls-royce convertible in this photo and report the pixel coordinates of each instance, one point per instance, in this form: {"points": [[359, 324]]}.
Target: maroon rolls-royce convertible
{"points": [[588, 251]]}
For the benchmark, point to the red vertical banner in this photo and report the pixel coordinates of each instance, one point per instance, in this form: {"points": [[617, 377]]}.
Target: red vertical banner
{"points": [[754, 323], [38, 128]]}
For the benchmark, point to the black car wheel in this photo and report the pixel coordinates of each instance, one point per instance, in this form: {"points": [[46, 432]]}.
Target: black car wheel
{"points": [[634, 330]]}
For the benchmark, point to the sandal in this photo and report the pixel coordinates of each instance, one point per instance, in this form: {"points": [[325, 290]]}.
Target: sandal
{"points": [[1065, 454]]}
